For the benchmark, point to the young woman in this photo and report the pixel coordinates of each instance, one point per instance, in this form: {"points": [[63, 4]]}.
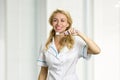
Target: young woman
{"points": [[63, 48]]}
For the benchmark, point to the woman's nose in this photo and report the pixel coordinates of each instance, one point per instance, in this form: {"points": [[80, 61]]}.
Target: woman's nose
{"points": [[58, 23]]}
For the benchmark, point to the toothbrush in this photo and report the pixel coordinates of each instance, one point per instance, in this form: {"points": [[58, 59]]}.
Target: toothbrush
{"points": [[65, 33], [57, 33]]}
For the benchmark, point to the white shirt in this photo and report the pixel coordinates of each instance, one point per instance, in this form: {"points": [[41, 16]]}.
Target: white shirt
{"points": [[62, 65]]}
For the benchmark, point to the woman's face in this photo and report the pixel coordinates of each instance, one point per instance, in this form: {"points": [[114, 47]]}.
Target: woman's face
{"points": [[59, 22]]}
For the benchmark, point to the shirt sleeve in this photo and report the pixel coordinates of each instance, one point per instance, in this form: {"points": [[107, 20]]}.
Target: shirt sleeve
{"points": [[82, 48], [84, 53], [41, 61]]}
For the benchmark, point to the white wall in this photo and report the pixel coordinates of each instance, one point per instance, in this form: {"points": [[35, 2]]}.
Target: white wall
{"points": [[2, 41], [18, 40], [107, 35]]}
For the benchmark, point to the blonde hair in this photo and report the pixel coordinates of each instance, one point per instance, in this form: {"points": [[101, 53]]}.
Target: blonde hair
{"points": [[66, 40]]}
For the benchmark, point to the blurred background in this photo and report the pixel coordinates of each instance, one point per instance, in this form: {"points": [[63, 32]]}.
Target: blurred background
{"points": [[24, 25]]}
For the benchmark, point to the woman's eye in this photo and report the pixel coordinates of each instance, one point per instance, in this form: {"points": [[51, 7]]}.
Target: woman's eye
{"points": [[62, 21], [54, 20]]}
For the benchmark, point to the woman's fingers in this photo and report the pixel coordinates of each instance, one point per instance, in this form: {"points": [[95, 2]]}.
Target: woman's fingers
{"points": [[71, 31]]}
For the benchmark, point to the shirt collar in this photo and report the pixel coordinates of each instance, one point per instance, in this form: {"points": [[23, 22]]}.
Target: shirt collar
{"points": [[53, 50]]}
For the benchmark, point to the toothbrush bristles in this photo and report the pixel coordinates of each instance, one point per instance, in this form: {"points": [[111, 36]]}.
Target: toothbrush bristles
{"points": [[57, 33]]}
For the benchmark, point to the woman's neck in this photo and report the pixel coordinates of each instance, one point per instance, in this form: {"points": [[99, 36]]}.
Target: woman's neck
{"points": [[58, 37]]}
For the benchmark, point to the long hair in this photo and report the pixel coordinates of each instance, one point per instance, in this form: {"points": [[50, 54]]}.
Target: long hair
{"points": [[66, 40]]}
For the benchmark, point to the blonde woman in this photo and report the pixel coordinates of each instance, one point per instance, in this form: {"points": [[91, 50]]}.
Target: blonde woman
{"points": [[64, 46]]}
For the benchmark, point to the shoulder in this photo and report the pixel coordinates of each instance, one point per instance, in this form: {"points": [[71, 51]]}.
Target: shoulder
{"points": [[78, 39]]}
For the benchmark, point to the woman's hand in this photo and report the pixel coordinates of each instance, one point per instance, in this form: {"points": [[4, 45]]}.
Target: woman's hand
{"points": [[92, 46]]}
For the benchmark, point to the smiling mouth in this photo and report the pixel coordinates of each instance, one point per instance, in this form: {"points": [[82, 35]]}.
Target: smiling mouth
{"points": [[58, 28]]}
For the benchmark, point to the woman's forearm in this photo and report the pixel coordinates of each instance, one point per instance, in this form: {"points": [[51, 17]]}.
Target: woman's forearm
{"points": [[92, 46], [43, 73]]}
